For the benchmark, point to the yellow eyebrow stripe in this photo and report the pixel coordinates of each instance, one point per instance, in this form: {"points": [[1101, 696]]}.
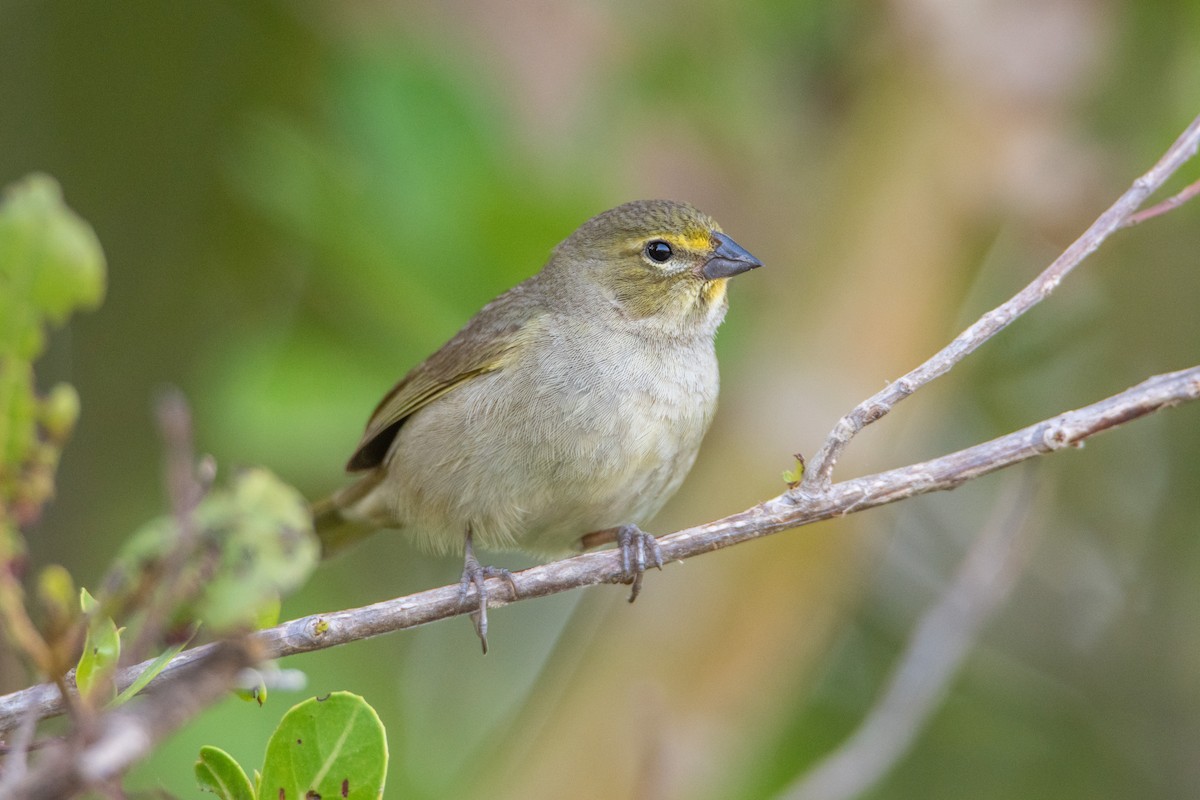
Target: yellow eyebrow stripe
{"points": [[698, 240]]}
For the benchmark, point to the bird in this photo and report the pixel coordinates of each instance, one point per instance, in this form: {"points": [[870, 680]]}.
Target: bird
{"points": [[564, 414]]}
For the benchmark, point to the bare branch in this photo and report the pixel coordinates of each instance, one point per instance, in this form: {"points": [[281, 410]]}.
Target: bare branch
{"points": [[184, 492], [789, 510], [126, 736], [942, 639], [820, 471], [1175, 201]]}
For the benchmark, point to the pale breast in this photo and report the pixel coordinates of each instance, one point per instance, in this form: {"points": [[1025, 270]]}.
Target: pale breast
{"points": [[598, 430]]}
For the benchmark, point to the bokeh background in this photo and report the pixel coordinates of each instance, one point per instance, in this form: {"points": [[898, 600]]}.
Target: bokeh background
{"points": [[299, 201]]}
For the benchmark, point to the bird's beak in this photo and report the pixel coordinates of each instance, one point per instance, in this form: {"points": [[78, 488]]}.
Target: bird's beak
{"points": [[729, 259]]}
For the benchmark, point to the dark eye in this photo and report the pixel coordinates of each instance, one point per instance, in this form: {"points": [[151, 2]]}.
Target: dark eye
{"points": [[659, 251]]}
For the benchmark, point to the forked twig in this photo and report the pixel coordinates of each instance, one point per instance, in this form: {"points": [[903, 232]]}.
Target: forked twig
{"points": [[1120, 214]]}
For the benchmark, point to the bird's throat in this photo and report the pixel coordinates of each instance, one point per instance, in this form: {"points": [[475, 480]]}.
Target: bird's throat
{"points": [[714, 291]]}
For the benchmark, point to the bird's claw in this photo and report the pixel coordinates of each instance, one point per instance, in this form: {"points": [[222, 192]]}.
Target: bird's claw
{"points": [[475, 574], [635, 544]]}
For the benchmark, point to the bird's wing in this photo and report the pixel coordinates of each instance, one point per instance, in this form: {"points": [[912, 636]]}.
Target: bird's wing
{"points": [[483, 346]]}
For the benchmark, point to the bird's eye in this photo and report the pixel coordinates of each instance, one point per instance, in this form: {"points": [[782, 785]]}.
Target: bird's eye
{"points": [[658, 251]]}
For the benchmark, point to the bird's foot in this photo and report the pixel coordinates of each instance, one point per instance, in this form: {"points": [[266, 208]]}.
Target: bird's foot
{"points": [[475, 574], [638, 550]]}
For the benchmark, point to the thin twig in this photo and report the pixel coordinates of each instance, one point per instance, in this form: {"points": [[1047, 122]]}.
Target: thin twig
{"points": [[942, 639], [820, 470], [1175, 201], [788, 510], [184, 492]]}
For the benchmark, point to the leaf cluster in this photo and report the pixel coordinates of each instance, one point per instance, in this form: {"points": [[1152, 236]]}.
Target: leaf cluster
{"points": [[331, 746], [216, 566]]}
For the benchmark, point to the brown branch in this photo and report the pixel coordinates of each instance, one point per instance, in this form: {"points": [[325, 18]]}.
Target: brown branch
{"points": [[820, 470], [789, 510]]}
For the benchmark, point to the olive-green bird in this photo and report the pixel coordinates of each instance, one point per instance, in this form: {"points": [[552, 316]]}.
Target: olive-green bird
{"points": [[572, 404]]}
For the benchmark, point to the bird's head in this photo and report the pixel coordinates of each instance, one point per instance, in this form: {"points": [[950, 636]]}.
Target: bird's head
{"points": [[657, 261]]}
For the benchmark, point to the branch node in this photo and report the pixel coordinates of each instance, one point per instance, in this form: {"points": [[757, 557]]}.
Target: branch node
{"points": [[1054, 437], [879, 410]]}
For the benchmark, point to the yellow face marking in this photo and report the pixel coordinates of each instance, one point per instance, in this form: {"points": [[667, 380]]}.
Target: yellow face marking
{"points": [[714, 290], [696, 241]]}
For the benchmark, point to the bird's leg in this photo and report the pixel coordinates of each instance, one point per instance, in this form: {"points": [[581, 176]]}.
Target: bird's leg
{"points": [[475, 574], [598, 538], [634, 544]]}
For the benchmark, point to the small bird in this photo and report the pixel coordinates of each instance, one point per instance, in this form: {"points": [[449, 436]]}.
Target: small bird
{"points": [[565, 413]]}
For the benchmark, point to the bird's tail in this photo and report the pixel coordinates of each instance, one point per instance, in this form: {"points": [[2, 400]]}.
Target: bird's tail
{"points": [[335, 529]]}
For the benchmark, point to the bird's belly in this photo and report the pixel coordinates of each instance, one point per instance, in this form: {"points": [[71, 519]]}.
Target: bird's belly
{"points": [[555, 460]]}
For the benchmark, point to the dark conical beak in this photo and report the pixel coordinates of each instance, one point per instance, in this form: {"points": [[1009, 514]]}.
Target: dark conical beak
{"points": [[729, 259]]}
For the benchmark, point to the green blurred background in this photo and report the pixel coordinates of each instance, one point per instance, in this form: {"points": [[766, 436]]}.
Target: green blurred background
{"points": [[299, 201]]}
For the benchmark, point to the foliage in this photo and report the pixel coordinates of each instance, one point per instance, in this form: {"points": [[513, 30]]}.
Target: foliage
{"points": [[219, 773], [222, 560], [101, 652], [51, 264], [252, 543], [331, 746]]}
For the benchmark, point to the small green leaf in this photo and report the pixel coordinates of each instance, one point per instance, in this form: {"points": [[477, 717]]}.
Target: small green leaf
{"points": [[256, 693], [149, 673], [50, 262], [98, 664], [87, 602], [333, 746], [792, 477], [220, 774], [60, 411], [56, 593], [18, 419]]}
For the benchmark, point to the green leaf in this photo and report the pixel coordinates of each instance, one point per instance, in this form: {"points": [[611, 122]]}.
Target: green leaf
{"points": [[149, 673], [333, 746], [98, 664], [256, 543], [50, 264], [255, 694], [18, 416], [87, 602], [59, 411], [56, 593], [267, 546], [792, 477], [218, 773]]}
